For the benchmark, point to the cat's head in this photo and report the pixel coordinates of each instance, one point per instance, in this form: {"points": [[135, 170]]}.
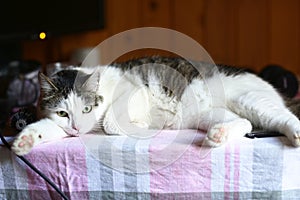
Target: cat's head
{"points": [[70, 99]]}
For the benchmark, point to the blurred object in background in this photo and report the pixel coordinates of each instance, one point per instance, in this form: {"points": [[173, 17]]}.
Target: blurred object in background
{"points": [[80, 54], [19, 86], [52, 68], [283, 80], [21, 117]]}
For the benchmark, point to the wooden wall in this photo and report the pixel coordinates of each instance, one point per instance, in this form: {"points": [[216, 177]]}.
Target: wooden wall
{"points": [[249, 33]]}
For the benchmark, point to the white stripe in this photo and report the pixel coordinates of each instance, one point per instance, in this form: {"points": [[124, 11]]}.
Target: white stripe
{"points": [[246, 162], [142, 165], [291, 168], [117, 164], [93, 171], [218, 169], [20, 174]]}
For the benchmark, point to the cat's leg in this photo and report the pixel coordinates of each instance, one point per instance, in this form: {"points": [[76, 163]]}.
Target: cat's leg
{"points": [[267, 110], [222, 125], [116, 122], [41, 131]]}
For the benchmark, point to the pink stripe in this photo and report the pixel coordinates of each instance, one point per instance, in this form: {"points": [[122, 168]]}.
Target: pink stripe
{"points": [[63, 162], [236, 171], [227, 173], [188, 173]]}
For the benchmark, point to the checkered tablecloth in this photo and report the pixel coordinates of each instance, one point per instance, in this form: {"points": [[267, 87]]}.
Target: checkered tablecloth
{"points": [[167, 165]]}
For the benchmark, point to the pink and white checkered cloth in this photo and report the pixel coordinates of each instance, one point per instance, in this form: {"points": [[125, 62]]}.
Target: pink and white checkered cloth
{"points": [[168, 165]]}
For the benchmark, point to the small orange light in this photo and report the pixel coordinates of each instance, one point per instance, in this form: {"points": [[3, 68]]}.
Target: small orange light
{"points": [[42, 35]]}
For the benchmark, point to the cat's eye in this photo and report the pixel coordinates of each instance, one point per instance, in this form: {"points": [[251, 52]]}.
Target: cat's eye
{"points": [[87, 109], [62, 113]]}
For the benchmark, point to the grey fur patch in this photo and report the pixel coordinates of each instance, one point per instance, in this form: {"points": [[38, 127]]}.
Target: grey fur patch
{"points": [[174, 73], [63, 82]]}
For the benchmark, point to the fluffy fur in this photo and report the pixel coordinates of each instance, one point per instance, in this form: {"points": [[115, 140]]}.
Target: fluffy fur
{"points": [[157, 93]]}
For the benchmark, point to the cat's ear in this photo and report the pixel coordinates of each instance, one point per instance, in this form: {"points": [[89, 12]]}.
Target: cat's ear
{"points": [[91, 84], [46, 83]]}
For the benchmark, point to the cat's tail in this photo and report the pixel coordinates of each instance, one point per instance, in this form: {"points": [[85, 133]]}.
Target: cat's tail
{"points": [[294, 106]]}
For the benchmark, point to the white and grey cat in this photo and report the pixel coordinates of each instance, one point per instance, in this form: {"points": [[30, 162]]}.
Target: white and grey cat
{"points": [[157, 93]]}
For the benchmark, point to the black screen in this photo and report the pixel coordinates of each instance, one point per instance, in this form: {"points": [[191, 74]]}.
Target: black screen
{"points": [[25, 19]]}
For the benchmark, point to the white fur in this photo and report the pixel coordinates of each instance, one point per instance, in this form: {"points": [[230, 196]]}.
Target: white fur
{"points": [[42, 131], [223, 105], [77, 122]]}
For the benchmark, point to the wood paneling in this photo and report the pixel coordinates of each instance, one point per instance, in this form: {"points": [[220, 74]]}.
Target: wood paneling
{"points": [[60, 48], [35, 50], [220, 36], [69, 43], [188, 18], [285, 34], [122, 15], [156, 13], [250, 33], [253, 33]]}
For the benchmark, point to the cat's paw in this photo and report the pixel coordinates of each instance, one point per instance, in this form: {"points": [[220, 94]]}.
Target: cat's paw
{"points": [[296, 139], [217, 135], [25, 141], [293, 134]]}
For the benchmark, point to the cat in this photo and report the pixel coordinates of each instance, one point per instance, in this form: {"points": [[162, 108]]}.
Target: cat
{"points": [[158, 93]]}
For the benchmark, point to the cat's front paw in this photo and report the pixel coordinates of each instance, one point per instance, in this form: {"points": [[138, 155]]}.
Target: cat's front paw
{"points": [[25, 141]]}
